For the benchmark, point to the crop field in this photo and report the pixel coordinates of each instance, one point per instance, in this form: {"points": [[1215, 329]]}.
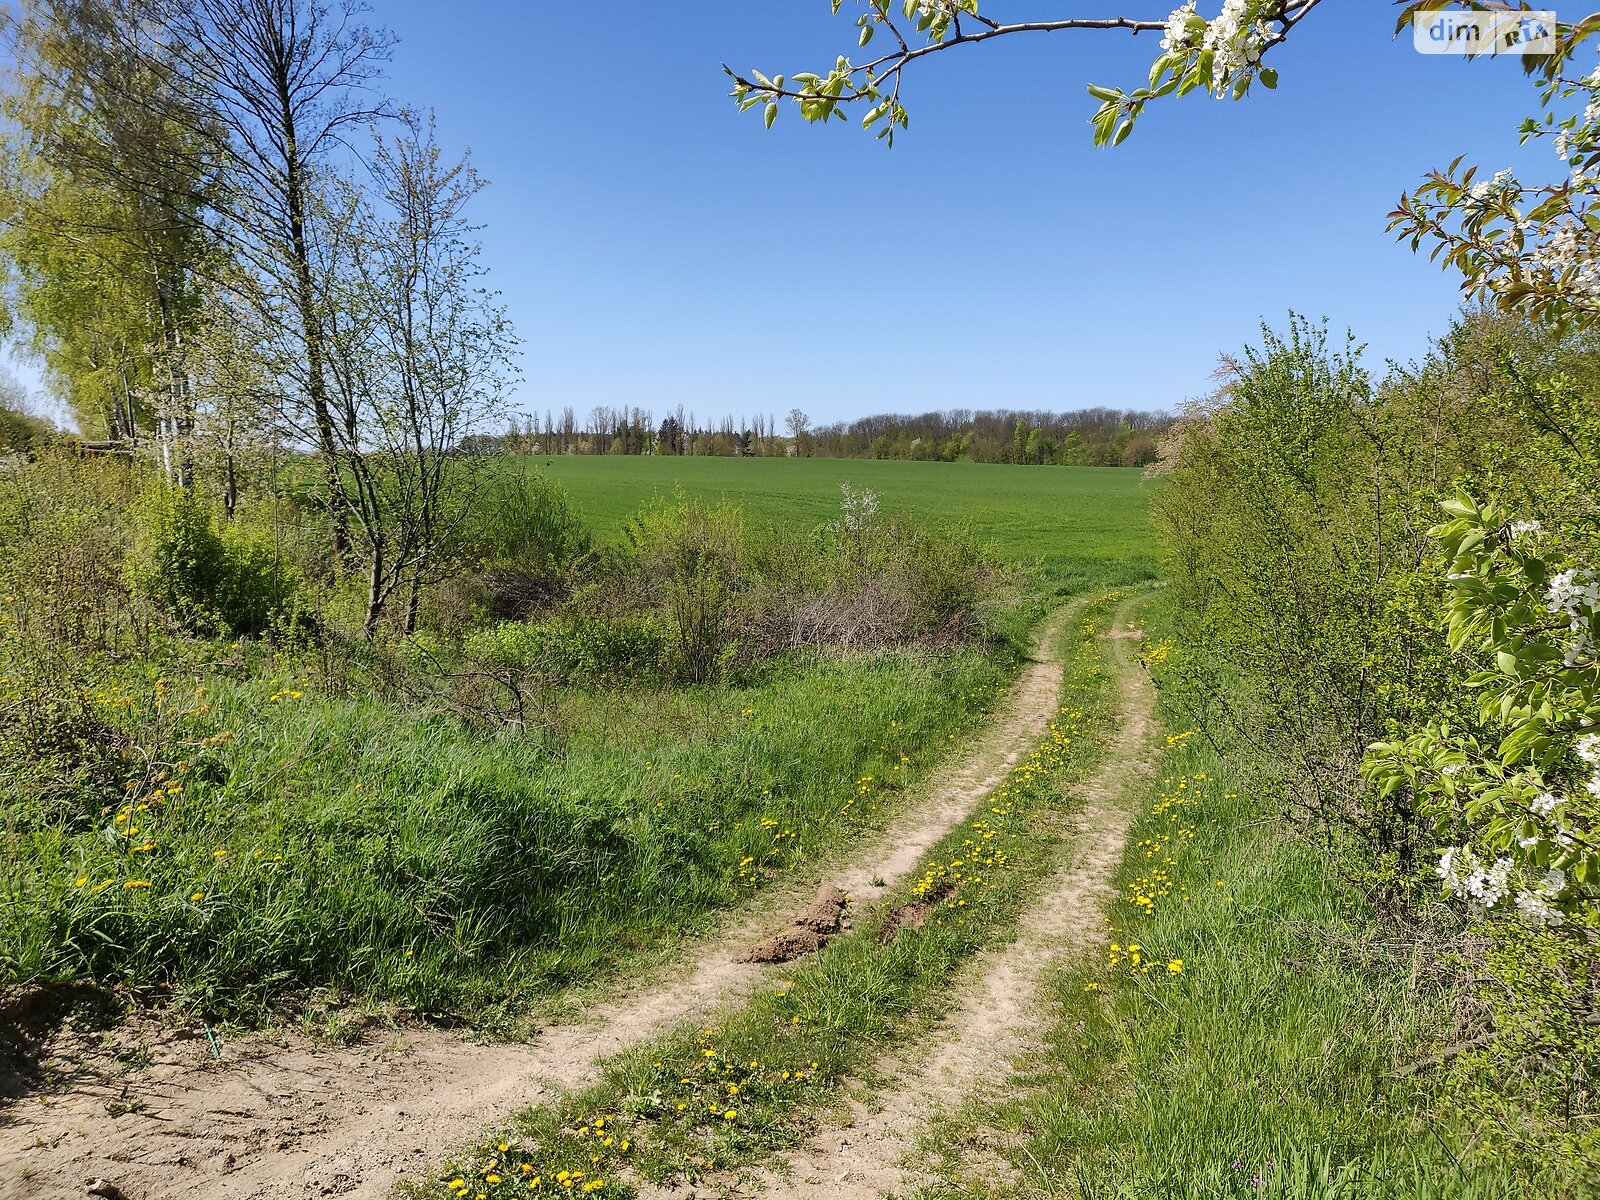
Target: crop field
{"points": [[1081, 526]]}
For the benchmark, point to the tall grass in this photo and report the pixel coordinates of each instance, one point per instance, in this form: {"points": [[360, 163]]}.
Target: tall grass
{"points": [[330, 842]]}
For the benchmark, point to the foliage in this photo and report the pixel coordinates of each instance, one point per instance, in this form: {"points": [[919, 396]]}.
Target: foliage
{"points": [[1417, 686], [526, 522], [1221, 56], [20, 431], [104, 243], [1524, 247], [1528, 1091], [689, 555], [209, 582]]}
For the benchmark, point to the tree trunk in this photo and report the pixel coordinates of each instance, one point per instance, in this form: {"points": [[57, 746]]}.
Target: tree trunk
{"points": [[311, 331]]}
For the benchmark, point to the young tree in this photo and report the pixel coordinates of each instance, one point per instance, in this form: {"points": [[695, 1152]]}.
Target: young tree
{"points": [[418, 356]]}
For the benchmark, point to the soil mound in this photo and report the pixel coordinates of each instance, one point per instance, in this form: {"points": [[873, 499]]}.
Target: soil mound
{"points": [[810, 930]]}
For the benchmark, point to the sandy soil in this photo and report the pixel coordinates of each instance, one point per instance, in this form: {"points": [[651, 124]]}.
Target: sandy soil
{"points": [[153, 1112], [998, 1015]]}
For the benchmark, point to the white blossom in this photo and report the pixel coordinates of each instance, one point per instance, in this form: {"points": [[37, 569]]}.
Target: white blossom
{"points": [[1588, 748], [1575, 594], [1177, 34], [1487, 887], [1537, 911]]}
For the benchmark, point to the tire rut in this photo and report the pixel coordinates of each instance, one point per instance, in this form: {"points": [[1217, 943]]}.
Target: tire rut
{"points": [[999, 1014], [289, 1117]]}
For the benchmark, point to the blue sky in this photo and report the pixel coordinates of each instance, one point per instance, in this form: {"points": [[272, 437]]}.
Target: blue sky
{"points": [[656, 247]]}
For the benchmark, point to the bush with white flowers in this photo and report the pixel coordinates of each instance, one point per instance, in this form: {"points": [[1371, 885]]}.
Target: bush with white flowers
{"points": [[1519, 797]]}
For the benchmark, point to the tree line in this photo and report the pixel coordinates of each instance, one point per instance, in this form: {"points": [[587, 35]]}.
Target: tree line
{"points": [[1087, 437]]}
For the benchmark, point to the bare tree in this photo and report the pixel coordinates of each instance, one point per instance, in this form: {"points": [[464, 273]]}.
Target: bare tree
{"points": [[419, 360], [799, 426], [288, 81]]}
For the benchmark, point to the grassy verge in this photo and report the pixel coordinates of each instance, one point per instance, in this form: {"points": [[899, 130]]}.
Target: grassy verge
{"points": [[709, 1098], [283, 839], [1246, 1030]]}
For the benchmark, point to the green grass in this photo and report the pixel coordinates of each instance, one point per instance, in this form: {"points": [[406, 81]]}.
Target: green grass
{"points": [[708, 1098], [397, 854], [1243, 1029], [1085, 527], [304, 828]]}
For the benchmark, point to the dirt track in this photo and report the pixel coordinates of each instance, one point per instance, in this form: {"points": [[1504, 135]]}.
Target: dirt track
{"points": [[281, 1116], [998, 1015]]}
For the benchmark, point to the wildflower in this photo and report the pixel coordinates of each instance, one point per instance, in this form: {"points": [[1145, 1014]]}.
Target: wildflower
{"points": [[1175, 966], [136, 883], [197, 896], [730, 1114]]}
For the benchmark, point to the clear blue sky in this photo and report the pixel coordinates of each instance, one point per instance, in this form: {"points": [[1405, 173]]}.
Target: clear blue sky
{"points": [[657, 247]]}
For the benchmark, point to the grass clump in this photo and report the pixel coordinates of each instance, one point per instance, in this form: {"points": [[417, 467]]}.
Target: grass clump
{"points": [[304, 841]]}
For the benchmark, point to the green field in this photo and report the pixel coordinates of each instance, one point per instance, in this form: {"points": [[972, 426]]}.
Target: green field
{"points": [[1083, 526]]}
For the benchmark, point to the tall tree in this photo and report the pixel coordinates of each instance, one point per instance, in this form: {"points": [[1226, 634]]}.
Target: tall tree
{"points": [[105, 204], [289, 81]]}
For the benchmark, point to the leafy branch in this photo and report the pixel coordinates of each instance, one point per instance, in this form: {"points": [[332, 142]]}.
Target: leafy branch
{"points": [[1222, 55]]}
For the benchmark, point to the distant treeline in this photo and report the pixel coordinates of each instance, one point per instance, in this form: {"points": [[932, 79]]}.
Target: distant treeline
{"points": [[1087, 437]]}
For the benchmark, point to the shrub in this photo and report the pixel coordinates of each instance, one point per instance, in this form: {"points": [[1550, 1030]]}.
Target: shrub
{"points": [[525, 539], [208, 582], [691, 555]]}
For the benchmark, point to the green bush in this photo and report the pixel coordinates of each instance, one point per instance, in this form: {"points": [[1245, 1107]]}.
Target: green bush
{"points": [[691, 555], [208, 582], [525, 537]]}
